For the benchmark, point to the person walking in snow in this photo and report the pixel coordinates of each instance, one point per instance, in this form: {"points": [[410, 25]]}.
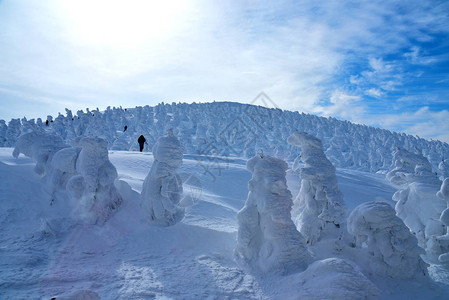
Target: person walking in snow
{"points": [[126, 127], [141, 140]]}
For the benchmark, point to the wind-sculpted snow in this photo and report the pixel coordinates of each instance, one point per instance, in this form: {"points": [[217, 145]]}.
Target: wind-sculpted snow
{"points": [[224, 128], [40, 147], [390, 248], [443, 240], [268, 241], [162, 188], [319, 210], [417, 204], [93, 186]]}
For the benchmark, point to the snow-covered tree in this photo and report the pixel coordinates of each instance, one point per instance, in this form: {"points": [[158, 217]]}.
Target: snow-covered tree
{"points": [[13, 132], [319, 210], [93, 187], [3, 129], [162, 188], [391, 250], [443, 240], [443, 167], [267, 239], [39, 146], [417, 204]]}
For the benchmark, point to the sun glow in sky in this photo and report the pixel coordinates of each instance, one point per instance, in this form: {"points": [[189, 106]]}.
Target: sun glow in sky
{"points": [[380, 63], [121, 24]]}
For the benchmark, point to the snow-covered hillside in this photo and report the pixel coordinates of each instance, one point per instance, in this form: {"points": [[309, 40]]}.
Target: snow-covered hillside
{"points": [[232, 129]]}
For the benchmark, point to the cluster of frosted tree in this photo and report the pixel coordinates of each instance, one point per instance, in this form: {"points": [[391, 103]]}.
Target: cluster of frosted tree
{"points": [[416, 201], [83, 170], [224, 128], [341, 252]]}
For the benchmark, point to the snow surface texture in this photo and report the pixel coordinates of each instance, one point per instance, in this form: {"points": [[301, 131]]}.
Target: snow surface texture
{"points": [[417, 204], [268, 241], [162, 188], [319, 211], [338, 279], [232, 129], [93, 187], [391, 250]]}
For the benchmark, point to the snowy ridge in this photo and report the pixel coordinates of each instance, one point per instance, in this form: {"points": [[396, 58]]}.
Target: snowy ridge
{"points": [[233, 129]]}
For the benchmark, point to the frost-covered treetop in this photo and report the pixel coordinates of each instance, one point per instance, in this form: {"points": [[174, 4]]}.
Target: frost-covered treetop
{"points": [[410, 167], [312, 153], [168, 150]]}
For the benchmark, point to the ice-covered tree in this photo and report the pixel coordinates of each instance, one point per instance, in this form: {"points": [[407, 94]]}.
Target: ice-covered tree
{"points": [[443, 167], [267, 240], [39, 146], [162, 188], [319, 210], [443, 240], [391, 250], [93, 187], [13, 132], [417, 204], [3, 129]]}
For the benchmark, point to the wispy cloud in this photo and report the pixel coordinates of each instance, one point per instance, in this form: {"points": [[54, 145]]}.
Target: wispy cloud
{"points": [[349, 59]]}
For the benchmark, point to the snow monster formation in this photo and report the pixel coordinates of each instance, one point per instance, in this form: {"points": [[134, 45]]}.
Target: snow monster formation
{"points": [[93, 187], [417, 204], [39, 146], [391, 250], [162, 188], [319, 211], [267, 240], [443, 240]]}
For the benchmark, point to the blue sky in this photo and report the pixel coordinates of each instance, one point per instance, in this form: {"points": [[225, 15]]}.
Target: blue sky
{"points": [[380, 63]]}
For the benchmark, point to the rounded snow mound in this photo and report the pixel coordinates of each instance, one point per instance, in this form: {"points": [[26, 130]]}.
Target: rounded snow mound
{"points": [[331, 278]]}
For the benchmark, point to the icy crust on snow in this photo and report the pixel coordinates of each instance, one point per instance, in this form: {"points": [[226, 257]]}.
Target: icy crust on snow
{"points": [[391, 250], [319, 209], [40, 147], [417, 205], [224, 128], [162, 188], [93, 187], [331, 278], [267, 239]]}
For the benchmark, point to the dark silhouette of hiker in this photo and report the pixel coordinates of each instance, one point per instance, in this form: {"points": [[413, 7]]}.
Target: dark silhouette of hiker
{"points": [[141, 140], [46, 123], [124, 129]]}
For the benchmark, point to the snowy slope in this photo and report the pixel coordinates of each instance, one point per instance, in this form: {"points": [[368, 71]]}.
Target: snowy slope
{"points": [[44, 254]]}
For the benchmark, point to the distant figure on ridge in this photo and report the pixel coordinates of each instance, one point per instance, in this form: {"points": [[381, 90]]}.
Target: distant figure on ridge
{"points": [[126, 127], [141, 140]]}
